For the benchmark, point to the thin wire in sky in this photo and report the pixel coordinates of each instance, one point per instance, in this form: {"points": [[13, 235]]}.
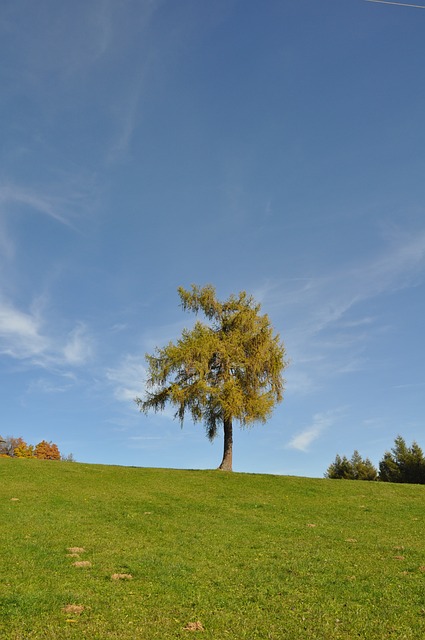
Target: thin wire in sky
{"points": [[398, 4]]}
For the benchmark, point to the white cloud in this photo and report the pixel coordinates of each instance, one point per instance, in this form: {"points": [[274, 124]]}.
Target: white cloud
{"points": [[303, 440], [321, 422], [411, 385], [129, 381], [79, 347], [102, 32], [20, 335], [42, 203], [30, 334], [399, 267], [126, 118], [44, 385], [7, 247], [144, 438], [128, 378], [26, 336], [321, 301], [323, 334], [298, 380]]}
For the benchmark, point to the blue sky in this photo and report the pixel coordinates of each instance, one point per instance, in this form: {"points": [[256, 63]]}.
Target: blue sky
{"points": [[275, 147]]}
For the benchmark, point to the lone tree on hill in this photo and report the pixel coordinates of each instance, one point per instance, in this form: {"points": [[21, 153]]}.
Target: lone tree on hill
{"points": [[230, 369]]}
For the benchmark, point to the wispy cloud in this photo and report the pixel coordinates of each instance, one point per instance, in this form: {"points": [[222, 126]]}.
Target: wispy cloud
{"points": [[26, 336], [324, 325], [398, 267], [126, 118], [42, 203], [321, 422], [399, 4], [27, 333], [125, 105], [411, 385], [128, 378], [52, 386], [79, 346], [20, 333], [7, 246], [102, 31], [145, 438], [325, 300], [129, 382]]}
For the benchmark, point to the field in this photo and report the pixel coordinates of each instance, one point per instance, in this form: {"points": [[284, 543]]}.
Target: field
{"points": [[99, 552]]}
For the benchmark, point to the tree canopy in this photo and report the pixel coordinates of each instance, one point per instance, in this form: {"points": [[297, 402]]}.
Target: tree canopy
{"points": [[12, 447], [356, 468], [227, 369], [403, 464]]}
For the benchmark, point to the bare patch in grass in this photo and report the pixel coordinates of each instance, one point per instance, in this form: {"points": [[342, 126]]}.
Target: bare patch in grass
{"points": [[421, 568], [194, 626], [121, 576], [82, 563], [352, 540], [76, 550], [14, 499], [73, 609], [311, 525], [399, 558]]}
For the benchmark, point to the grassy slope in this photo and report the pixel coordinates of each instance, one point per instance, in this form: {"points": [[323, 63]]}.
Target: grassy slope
{"points": [[250, 556]]}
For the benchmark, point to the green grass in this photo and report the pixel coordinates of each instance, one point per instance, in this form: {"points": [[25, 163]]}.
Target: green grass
{"points": [[237, 552]]}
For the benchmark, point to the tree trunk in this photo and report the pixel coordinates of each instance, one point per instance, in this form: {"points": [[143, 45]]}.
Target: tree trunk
{"points": [[226, 463]]}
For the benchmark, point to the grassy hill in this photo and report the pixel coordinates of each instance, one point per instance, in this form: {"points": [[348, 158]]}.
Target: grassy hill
{"points": [[179, 554]]}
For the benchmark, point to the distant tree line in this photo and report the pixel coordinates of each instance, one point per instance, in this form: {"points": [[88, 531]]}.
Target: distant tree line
{"points": [[11, 447], [402, 464]]}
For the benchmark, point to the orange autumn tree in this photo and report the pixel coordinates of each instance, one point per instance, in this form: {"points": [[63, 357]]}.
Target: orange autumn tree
{"points": [[47, 451]]}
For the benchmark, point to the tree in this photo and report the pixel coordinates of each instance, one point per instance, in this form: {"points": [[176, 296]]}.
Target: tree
{"points": [[24, 450], [12, 447], [362, 468], [47, 451], [403, 464], [68, 458], [230, 369], [340, 469], [389, 471], [416, 465], [9, 444], [355, 469]]}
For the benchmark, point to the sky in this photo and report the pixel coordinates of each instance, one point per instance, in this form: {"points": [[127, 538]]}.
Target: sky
{"points": [[274, 147]]}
